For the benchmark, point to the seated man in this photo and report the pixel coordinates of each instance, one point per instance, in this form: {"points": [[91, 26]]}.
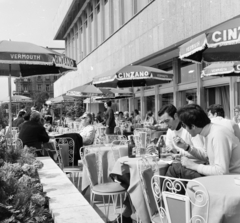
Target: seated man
{"points": [[168, 115], [216, 114], [32, 133], [222, 146], [87, 130]]}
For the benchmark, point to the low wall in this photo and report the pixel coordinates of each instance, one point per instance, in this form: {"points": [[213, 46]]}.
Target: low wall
{"points": [[66, 203]]}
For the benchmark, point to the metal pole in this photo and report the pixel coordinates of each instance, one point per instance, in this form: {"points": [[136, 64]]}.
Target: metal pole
{"points": [[10, 98]]}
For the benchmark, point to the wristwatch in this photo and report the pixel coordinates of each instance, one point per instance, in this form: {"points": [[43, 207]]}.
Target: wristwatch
{"points": [[187, 148]]}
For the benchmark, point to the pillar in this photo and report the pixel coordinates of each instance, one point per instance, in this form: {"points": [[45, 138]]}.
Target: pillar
{"points": [[158, 101], [200, 89], [176, 75]]}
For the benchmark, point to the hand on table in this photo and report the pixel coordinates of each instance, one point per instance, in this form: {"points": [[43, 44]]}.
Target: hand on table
{"points": [[188, 163]]}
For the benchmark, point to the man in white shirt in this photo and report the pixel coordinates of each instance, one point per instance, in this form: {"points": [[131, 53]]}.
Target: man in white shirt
{"points": [[168, 115], [216, 114], [222, 146]]}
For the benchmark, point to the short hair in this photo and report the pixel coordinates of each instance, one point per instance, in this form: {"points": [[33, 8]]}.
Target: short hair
{"points": [[26, 117], [136, 111], [149, 113], [109, 103], [90, 116], [216, 108], [193, 114], [35, 116], [190, 97], [170, 109], [21, 113]]}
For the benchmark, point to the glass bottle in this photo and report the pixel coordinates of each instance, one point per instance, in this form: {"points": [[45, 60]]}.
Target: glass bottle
{"points": [[131, 148], [161, 146]]}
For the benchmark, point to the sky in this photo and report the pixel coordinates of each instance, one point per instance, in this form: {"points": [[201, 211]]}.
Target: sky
{"points": [[27, 21]]}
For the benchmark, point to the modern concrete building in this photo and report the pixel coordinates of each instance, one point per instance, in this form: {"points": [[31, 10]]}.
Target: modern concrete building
{"points": [[105, 34]]}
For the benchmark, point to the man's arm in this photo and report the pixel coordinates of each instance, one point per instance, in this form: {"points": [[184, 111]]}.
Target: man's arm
{"points": [[221, 152], [43, 136]]}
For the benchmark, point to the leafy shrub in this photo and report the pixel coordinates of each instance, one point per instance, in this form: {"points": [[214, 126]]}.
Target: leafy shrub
{"points": [[22, 199]]}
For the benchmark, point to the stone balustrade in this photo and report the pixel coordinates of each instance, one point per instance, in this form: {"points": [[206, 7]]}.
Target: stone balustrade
{"points": [[66, 203]]}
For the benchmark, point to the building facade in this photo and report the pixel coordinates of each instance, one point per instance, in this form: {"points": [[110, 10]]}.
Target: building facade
{"points": [[31, 86], [105, 34]]}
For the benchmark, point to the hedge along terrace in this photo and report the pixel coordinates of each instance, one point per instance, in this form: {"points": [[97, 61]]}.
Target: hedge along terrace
{"points": [[22, 199]]}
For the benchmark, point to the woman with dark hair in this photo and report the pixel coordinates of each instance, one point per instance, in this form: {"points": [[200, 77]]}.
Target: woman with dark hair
{"points": [[110, 119]]}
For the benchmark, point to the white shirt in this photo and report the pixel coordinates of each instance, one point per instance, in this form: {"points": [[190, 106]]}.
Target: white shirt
{"points": [[229, 124], [223, 151], [196, 142], [88, 134]]}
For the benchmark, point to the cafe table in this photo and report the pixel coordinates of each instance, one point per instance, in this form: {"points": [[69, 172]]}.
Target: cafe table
{"points": [[224, 198], [126, 165], [106, 156]]}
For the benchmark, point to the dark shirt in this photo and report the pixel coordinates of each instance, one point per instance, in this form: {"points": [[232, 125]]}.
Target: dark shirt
{"points": [[33, 134], [110, 119], [17, 122]]}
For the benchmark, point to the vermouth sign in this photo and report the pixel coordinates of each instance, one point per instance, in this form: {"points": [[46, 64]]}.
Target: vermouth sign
{"points": [[60, 61], [134, 75], [63, 61]]}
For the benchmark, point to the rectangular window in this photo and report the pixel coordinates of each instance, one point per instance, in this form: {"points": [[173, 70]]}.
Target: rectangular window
{"points": [[39, 87], [55, 78], [47, 87], [188, 72]]}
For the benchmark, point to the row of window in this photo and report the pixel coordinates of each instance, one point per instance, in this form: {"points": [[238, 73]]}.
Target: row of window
{"points": [[99, 20], [40, 87]]}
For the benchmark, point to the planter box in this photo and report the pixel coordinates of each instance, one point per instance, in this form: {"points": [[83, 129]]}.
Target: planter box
{"points": [[66, 203]]}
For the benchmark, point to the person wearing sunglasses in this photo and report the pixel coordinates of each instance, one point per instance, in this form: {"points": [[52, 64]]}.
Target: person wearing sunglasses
{"points": [[222, 147], [87, 130]]}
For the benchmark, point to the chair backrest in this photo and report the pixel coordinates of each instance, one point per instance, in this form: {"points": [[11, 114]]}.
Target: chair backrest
{"points": [[71, 147], [100, 135], [146, 173], [119, 149], [85, 150], [18, 144], [64, 153], [171, 194], [91, 165]]}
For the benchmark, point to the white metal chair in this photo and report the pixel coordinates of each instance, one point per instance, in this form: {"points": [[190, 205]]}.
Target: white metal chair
{"points": [[110, 189], [146, 172], [174, 203], [100, 136], [65, 152]]}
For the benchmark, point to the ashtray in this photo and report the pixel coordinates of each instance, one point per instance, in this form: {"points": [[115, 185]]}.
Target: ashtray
{"points": [[237, 180]]}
